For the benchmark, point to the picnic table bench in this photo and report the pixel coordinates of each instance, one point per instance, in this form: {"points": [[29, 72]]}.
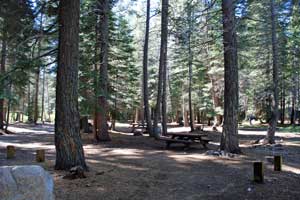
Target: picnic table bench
{"points": [[169, 141], [186, 138]]}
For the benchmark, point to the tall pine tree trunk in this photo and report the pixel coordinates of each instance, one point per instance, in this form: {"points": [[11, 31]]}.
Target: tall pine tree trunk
{"points": [[48, 101], [145, 72], [2, 70], [43, 96], [29, 103], [282, 103], [190, 64], [229, 140], [102, 109], [184, 110], [8, 106], [273, 122], [96, 72], [37, 76], [294, 91], [157, 112], [36, 95], [163, 62], [217, 101], [69, 150]]}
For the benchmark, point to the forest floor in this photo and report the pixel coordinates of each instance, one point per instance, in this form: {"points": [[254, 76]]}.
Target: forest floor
{"points": [[138, 167]]}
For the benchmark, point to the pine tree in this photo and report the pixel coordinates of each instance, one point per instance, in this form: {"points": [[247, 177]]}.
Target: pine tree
{"points": [[69, 150], [229, 140]]}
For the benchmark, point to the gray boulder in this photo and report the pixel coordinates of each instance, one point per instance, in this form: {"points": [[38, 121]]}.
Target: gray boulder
{"points": [[25, 182]]}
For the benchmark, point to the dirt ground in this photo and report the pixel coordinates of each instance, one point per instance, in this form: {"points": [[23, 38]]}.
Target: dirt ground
{"points": [[138, 167]]}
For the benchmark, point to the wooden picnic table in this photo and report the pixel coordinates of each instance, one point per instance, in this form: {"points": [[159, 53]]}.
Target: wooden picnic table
{"points": [[190, 138], [137, 125]]}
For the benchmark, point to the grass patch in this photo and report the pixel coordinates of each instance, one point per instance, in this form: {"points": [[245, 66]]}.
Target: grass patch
{"points": [[290, 129], [280, 128]]}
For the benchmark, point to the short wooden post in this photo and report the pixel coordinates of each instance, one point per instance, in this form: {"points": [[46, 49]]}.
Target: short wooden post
{"points": [[277, 163], [258, 171], [10, 152], [40, 155]]}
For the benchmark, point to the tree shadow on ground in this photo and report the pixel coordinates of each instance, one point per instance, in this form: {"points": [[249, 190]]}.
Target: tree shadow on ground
{"points": [[140, 167]]}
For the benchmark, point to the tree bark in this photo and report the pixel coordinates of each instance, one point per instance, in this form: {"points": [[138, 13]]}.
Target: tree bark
{"points": [[29, 103], [184, 111], [136, 115], [2, 70], [96, 72], [36, 94], [48, 100], [229, 139], [102, 109], [69, 150], [161, 103], [43, 96], [37, 76], [190, 64], [163, 62], [145, 72], [294, 91], [282, 103], [273, 122], [8, 107], [217, 102]]}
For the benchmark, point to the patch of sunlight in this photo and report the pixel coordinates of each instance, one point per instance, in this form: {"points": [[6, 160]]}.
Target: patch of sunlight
{"points": [[127, 152], [27, 145], [290, 169], [118, 165], [214, 143], [124, 125], [294, 144], [115, 151], [286, 167], [121, 133], [251, 132], [190, 157], [179, 129], [27, 130]]}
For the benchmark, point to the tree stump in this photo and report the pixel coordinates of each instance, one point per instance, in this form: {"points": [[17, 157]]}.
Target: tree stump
{"points": [[277, 163], [10, 152], [258, 172], [40, 155]]}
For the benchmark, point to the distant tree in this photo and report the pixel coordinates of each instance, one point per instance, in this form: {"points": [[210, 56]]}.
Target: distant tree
{"points": [[190, 62], [163, 62], [145, 72], [101, 133], [124, 72], [3, 63], [37, 71], [161, 103], [16, 24], [69, 150]]}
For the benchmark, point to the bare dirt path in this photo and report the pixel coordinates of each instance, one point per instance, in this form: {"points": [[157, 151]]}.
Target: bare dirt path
{"points": [[138, 168]]}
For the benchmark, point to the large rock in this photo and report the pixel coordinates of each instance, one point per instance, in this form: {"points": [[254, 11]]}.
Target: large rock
{"points": [[29, 182]]}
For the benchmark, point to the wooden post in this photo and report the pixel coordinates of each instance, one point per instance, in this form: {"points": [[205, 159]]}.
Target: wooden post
{"points": [[277, 163], [40, 155], [258, 172], [10, 152]]}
